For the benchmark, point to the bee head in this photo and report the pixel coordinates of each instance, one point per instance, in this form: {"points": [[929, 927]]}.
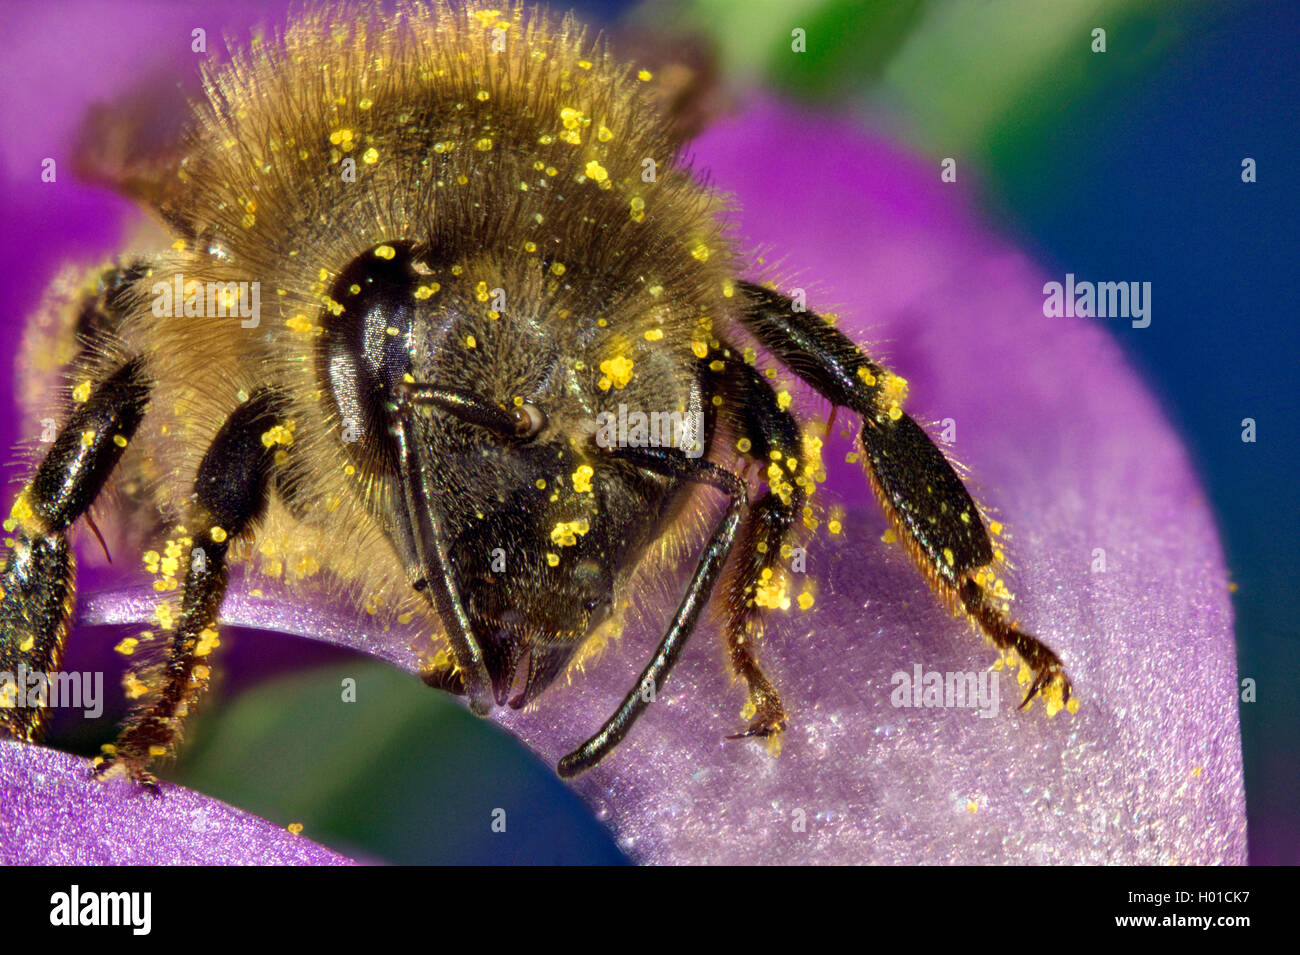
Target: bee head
{"points": [[493, 495]]}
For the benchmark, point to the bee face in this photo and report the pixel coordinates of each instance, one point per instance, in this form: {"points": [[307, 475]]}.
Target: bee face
{"points": [[474, 427]]}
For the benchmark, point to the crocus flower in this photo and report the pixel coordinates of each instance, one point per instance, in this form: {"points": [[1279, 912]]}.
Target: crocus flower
{"points": [[1117, 566]]}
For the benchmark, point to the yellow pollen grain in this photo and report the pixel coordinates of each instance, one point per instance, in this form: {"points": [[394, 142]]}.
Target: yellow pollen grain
{"points": [[87, 438], [385, 252], [218, 534], [552, 559], [370, 156], [596, 171], [81, 393], [484, 144], [654, 335], [119, 440], [645, 76], [700, 349]]}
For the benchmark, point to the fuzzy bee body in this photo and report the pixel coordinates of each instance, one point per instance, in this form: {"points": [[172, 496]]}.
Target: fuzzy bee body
{"points": [[415, 262]]}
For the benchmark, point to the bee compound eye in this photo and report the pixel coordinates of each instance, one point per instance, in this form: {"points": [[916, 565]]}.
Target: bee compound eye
{"points": [[529, 421]]}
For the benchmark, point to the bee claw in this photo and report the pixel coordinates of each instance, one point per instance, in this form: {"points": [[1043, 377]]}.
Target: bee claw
{"points": [[1045, 675], [130, 768], [762, 727]]}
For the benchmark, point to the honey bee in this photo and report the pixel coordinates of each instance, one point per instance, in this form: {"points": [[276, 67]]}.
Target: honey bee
{"points": [[420, 264]]}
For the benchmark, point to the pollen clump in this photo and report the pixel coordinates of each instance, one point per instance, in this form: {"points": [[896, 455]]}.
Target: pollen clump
{"points": [[770, 593], [893, 392], [616, 372], [133, 687], [566, 533], [208, 641], [279, 434], [582, 478]]}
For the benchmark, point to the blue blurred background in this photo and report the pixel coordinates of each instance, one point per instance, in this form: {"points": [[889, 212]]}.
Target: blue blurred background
{"points": [[1122, 165]]}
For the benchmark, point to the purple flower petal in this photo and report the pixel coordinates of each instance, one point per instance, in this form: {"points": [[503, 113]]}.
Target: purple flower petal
{"points": [[56, 814]]}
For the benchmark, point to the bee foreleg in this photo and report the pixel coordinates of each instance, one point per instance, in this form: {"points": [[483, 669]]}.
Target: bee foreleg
{"points": [[230, 494], [38, 579], [771, 437]]}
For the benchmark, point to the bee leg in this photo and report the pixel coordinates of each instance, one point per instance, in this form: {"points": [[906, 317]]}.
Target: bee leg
{"points": [[38, 580], [923, 498], [230, 495], [674, 464], [774, 441]]}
